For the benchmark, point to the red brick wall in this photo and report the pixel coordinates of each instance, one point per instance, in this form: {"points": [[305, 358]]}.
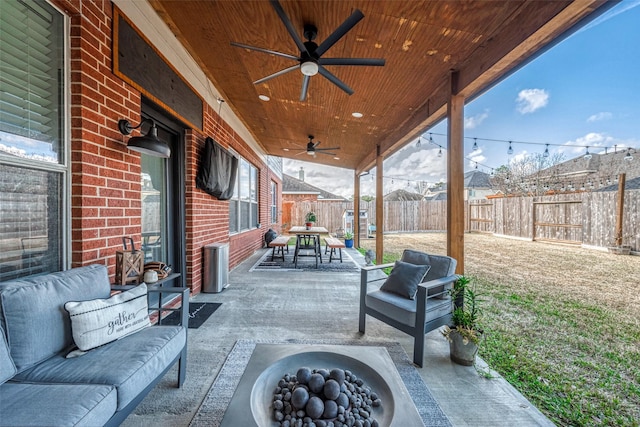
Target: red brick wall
{"points": [[105, 180], [105, 176]]}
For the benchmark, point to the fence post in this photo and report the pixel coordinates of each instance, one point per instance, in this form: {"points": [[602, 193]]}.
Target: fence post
{"points": [[619, 222]]}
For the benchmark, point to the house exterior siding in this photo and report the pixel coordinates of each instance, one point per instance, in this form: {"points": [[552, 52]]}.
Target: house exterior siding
{"points": [[105, 199]]}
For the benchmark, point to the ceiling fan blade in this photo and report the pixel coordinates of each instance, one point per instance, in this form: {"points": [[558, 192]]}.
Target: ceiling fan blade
{"points": [[305, 87], [352, 20], [279, 73], [316, 144], [333, 79], [328, 154], [328, 148], [287, 23], [352, 61], [271, 52]]}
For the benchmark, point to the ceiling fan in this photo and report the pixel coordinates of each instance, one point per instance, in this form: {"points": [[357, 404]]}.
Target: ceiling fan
{"points": [[310, 57], [312, 148]]}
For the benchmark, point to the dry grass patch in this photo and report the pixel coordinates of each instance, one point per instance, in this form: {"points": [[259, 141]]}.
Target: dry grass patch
{"points": [[563, 322]]}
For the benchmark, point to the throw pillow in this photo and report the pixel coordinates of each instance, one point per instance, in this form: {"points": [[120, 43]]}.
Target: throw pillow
{"points": [[100, 321], [404, 279]]}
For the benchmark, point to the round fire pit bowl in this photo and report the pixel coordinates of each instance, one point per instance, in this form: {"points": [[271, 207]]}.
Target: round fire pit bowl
{"points": [[261, 399]]}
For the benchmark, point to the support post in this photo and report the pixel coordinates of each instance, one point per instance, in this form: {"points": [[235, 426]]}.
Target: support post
{"points": [[379, 207], [455, 175], [620, 208], [356, 209]]}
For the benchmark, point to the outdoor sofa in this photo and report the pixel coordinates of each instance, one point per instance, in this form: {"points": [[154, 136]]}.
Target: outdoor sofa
{"points": [[41, 386]]}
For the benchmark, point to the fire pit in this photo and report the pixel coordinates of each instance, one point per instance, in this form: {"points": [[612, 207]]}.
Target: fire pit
{"points": [[252, 402]]}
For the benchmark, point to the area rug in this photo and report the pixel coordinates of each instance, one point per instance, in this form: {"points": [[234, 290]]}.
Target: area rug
{"points": [[212, 409], [199, 312], [305, 263]]}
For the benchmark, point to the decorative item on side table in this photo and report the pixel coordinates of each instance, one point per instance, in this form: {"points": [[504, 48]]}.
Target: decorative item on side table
{"points": [[348, 239], [129, 264], [465, 333], [309, 219]]}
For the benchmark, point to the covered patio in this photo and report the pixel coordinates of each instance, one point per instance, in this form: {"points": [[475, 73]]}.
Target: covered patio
{"points": [[320, 306]]}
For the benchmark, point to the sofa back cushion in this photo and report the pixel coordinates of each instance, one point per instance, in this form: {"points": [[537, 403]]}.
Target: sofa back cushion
{"points": [[32, 311], [7, 368]]}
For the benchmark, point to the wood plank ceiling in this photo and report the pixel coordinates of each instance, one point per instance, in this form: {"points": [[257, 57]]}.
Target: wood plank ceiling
{"points": [[421, 41]]}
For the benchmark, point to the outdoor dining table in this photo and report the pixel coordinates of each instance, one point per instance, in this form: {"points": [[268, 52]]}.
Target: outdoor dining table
{"points": [[307, 239]]}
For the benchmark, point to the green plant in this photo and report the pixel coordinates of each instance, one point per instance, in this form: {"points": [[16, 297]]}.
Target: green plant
{"points": [[466, 312], [348, 235], [310, 217]]}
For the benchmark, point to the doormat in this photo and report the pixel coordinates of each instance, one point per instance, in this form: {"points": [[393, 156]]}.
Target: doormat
{"points": [[306, 263], [212, 409], [199, 312]]}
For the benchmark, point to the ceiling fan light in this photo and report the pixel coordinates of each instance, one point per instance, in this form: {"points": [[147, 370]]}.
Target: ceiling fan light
{"points": [[309, 68], [311, 152]]}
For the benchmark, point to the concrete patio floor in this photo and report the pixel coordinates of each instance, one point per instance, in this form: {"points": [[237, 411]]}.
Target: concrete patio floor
{"points": [[282, 305]]}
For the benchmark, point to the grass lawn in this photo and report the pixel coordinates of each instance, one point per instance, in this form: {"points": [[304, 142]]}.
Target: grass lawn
{"points": [[562, 323]]}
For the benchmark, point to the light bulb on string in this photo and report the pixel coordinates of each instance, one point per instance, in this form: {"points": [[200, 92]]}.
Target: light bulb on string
{"points": [[431, 138], [419, 143], [587, 155], [510, 149], [476, 165], [546, 151], [492, 172], [475, 145], [440, 152], [628, 157]]}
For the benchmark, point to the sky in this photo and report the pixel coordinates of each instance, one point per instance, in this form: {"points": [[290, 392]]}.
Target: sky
{"points": [[584, 91]]}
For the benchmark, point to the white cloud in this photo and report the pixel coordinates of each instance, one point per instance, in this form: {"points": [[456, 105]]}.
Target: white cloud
{"points": [[475, 121], [530, 100], [603, 115], [592, 140]]}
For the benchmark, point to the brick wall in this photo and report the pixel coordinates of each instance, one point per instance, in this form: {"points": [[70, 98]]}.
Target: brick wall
{"points": [[105, 180]]}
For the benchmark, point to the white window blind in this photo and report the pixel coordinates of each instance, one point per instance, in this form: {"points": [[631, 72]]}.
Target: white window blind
{"points": [[31, 79]]}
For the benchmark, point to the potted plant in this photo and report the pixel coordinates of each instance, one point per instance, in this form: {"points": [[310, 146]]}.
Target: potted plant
{"points": [[310, 219], [464, 334], [348, 239]]}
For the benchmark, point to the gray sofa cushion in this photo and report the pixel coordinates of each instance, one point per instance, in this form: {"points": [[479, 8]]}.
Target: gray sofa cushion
{"points": [[404, 279], [25, 404], [7, 368], [130, 363], [35, 331], [402, 309]]}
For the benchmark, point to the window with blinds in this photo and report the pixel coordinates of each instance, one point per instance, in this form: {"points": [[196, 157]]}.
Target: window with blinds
{"points": [[31, 80], [243, 206], [33, 168]]}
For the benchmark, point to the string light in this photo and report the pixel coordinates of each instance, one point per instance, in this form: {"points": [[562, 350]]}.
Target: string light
{"points": [[510, 149], [475, 144], [419, 143], [587, 155], [440, 152], [546, 151], [628, 156]]}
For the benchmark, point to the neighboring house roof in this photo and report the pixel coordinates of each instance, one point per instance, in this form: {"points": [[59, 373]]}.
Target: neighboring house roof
{"points": [[291, 185], [442, 195], [601, 167], [629, 184], [477, 179], [402, 195]]}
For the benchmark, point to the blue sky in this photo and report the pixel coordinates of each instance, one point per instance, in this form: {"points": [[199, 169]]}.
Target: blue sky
{"points": [[584, 91]]}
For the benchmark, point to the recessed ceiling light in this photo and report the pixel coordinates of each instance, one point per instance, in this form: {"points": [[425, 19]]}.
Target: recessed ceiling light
{"points": [[336, 158], [264, 97], [356, 114], [285, 149]]}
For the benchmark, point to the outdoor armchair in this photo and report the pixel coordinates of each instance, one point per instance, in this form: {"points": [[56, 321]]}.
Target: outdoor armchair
{"points": [[389, 299]]}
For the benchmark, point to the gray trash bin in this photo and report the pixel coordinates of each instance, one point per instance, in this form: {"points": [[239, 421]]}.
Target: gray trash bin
{"points": [[215, 276]]}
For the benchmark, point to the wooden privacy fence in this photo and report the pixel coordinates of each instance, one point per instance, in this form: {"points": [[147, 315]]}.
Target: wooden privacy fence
{"points": [[581, 218]]}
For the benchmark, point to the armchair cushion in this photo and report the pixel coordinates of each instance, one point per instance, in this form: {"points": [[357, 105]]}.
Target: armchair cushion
{"points": [[404, 279], [7, 368], [441, 266]]}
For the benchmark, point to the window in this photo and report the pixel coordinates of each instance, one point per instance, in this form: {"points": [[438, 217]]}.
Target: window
{"points": [[33, 161], [243, 206], [274, 202]]}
